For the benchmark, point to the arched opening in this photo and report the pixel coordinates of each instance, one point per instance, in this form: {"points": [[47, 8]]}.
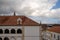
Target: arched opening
{"points": [[1, 31], [6, 38], [19, 31], [0, 38], [6, 31], [13, 31]]}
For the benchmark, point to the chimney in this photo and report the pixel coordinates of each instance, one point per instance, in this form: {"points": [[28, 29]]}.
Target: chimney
{"points": [[14, 14]]}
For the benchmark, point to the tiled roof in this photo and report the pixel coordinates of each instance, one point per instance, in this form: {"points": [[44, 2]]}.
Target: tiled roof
{"points": [[55, 29], [12, 21]]}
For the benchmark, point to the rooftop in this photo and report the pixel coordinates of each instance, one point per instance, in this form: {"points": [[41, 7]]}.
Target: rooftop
{"points": [[55, 29], [12, 21]]}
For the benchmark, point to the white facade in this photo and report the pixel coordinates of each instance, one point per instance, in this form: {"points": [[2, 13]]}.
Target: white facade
{"points": [[51, 35], [30, 33]]}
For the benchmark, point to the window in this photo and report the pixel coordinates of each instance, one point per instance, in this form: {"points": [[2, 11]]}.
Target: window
{"points": [[19, 31], [13, 31], [58, 37], [54, 35], [1, 31], [0, 38], [19, 21], [6, 31], [6, 38]]}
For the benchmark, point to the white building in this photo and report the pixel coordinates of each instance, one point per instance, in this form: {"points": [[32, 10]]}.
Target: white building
{"points": [[19, 28], [52, 33]]}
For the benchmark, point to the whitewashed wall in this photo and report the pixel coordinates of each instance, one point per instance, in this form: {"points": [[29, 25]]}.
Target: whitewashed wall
{"points": [[31, 38], [50, 35], [11, 36], [30, 32], [18, 38], [56, 35]]}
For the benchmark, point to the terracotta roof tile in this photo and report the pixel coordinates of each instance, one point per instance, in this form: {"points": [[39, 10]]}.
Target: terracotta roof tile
{"points": [[12, 21], [55, 29]]}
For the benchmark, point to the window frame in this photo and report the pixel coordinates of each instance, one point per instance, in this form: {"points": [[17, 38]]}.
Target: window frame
{"points": [[19, 31], [6, 32], [1, 31], [12, 31]]}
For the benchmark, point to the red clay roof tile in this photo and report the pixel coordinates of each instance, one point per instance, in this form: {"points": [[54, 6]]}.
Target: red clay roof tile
{"points": [[12, 21], [55, 29]]}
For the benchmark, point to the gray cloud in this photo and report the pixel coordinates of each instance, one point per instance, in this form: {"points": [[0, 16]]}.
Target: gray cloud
{"points": [[8, 6], [27, 7], [39, 8]]}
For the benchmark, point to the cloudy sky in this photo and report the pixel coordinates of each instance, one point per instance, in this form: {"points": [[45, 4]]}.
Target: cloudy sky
{"points": [[47, 11]]}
